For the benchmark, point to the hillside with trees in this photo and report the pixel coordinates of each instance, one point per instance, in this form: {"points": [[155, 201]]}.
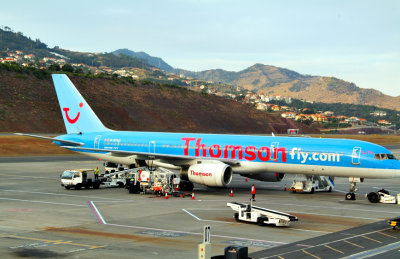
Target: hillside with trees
{"points": [[28, 103]]}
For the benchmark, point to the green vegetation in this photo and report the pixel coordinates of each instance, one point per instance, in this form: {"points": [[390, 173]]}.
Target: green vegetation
{"points": [[10, 40], [346, 109]]}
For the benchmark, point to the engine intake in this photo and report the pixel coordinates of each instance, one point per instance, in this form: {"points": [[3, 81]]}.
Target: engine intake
{"points": [[214, 175]]}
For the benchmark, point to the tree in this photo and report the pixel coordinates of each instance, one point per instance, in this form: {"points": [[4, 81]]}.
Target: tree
{"points": [[54, 67], [67, 68]]}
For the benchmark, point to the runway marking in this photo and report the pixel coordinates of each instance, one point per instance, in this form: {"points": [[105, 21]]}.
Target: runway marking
{"points": [[44, 202], [333, 215], [27, 176], [308, 230], [351, 243], [387, 235], [377, 241], [304, 251], [67, 195], [374, 252], [96, 213], [334, 241], [336, 250], [322, 207], [54, 242], [190, 233], [194, 216], [207, 220], [196, 234], [280, 257]]}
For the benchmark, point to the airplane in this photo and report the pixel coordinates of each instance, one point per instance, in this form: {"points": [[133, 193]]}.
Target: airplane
{"points": [[211, 159]]}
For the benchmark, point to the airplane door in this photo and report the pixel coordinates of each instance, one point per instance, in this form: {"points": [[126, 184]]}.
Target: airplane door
{"points": [[355, 156], [152, 146], [97, 141], [274, 145]]}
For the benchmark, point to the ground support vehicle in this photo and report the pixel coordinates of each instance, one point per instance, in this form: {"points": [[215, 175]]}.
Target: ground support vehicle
{"points": [[383, 196], [394, 223], [78, 178], [311, 184], [261, 216], [115, 179], [158, 181]]}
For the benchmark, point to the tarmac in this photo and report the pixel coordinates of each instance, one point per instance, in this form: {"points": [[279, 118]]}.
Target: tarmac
{"points": [[41, 219]]}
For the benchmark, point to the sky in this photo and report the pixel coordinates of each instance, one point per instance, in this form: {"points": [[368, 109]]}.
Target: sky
{"points": [[354, 40]]}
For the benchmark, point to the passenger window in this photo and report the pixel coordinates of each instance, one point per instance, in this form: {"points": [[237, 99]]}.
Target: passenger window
{"points": [[377, 156]]}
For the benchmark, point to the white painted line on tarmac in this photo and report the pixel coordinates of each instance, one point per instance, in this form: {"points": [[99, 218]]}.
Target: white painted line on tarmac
{"points": [[97, 213], [44, 202], [326, 207], [207, 220], [333, 215], [308, 230], [27, 176], [67, 195], [197, 234], [194, 216]]}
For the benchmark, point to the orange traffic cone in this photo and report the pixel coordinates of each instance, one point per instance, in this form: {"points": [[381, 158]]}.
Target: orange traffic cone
{"points": [[284, 188], [231, 192], [192, 195], [166, 196]]}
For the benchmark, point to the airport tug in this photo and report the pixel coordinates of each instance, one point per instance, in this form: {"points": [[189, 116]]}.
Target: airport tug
{"points": [[261, 216]]}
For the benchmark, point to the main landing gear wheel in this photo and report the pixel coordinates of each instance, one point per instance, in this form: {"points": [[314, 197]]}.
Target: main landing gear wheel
{"points": [[350, 196]]}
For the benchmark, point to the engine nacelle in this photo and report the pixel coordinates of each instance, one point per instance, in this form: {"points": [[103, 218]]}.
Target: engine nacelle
{"points": [[266, 177], [210, 174]]}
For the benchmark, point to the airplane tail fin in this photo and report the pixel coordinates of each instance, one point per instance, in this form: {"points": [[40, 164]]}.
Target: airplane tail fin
{"points": [[77, 114]]}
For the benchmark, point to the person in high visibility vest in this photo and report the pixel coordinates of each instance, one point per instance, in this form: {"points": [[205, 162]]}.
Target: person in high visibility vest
{"points": [[96, 173], [253, 192]]}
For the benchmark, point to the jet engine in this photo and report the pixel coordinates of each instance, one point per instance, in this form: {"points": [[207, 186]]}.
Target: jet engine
{"points": [[266, 177], [210, 174]]}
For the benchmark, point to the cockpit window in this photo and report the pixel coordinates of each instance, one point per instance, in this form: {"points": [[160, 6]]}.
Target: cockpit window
{"points": [[384, 156]]}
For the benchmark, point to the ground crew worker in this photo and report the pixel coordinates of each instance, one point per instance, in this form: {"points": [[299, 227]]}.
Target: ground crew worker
{"points": [[253, 192], [84, 176], [96, 173]]}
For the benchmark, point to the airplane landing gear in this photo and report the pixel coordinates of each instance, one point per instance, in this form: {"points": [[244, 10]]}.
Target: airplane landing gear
{"points": [[351, 194]]}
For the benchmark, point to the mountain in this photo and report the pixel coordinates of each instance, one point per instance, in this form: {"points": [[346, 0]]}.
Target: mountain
{"points": [[260, 78], [272, 80], [153, 61], [28, 103]]}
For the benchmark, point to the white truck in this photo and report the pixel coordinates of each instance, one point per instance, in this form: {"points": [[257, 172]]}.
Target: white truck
{"points": [[78, 178], [311, 184], [261, 216]]}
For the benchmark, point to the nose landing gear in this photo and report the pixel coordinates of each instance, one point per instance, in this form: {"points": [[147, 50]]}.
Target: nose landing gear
{"points": [[351, 195]]}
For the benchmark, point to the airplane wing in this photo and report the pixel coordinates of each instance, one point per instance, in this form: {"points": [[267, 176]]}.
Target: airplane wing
{"points": [[152, 156], [52, 139]]}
